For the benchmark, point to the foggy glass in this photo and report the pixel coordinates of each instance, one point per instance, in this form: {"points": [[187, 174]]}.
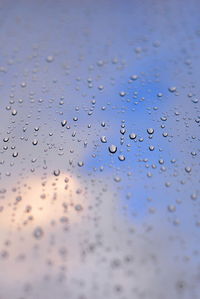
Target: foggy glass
{"points": [[99, 157]]}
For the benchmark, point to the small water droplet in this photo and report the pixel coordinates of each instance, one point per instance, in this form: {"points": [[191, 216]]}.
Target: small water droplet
{"points": [[132, 136], [103, 139], [35, 142], [15, 154], [188, 169], [78, 207], [112, 148], [14, 112], [150, 130], [121, 157], [80, 163], [56, 172], [63, 123], [38, 232], [50, 58]]}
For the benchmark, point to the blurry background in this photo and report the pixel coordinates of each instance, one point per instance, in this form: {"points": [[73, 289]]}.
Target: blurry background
{"points": [[99, 149]]}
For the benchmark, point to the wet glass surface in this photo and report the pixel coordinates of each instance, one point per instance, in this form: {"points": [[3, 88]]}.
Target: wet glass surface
{"points": [[99, 158]]}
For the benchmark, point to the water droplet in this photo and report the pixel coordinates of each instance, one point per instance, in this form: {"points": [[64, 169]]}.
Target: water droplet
{"points": [[188, 169], [172, 89], [35, 142], [78, 207], [103, 139], [132, 136], [50, 58], [122, 93], [171, 208], [18, 198], [56, 172], [23, 84], [193, 153], [150, 130], [15, 154], [195, 101], [6, 139], [38, 232], [134, 77], [165, 134], [121, 157], [63, 123], [14, 112], [112, 148], [151, 148], [117, 179], [80, 163]]}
